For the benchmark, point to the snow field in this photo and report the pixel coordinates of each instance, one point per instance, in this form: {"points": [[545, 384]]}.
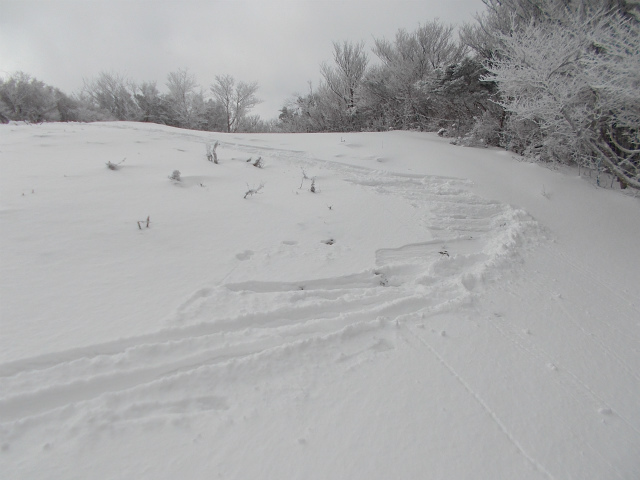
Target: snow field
{"points": [[395, 323]]}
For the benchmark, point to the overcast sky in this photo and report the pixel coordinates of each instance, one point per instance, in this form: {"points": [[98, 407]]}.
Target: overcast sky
{"points": [[277, 43]]}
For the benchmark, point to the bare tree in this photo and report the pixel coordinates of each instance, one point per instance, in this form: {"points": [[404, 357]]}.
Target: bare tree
{"points": [[237, 99]]}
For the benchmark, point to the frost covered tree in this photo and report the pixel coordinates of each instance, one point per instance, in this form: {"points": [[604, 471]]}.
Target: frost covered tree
{"points": [[401, 89], [572, 88], [463, 104], [153, 107], [344, 77], [186, 104], [504, 16], [237, 99], [303, 113], [338, 96], [23, 97], [113, 93]]}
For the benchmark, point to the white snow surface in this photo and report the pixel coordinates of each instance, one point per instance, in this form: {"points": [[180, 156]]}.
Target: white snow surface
{"points": [[430, 312]]}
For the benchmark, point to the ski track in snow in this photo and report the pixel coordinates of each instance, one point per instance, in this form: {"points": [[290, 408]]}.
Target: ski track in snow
{"points": [[469, 239]]}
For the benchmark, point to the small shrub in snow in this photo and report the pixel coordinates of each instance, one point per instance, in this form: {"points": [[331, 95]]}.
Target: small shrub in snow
{"points": [[253, 190], [259, 163], [115, 166], [312, 189], [212, 156], [175, 176]]}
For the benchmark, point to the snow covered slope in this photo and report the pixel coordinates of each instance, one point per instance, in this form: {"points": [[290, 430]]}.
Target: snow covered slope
{"points": [[429, 311]]}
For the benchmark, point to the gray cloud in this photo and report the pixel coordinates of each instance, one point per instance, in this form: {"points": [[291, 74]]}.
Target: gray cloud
{"points": [[278, 43]]}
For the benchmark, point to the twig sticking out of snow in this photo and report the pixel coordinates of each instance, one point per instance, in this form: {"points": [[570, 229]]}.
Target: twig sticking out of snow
{"points": [[141, 222], [253, 190], [304, 177], [259, 163], [312, 189], [545, 194]]}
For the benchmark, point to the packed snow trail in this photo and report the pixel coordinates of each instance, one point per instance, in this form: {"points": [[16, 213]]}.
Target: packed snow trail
{"points": [[392, 324]]}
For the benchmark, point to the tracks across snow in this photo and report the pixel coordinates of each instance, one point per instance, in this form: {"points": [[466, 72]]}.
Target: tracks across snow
{"points": [[214, 354], [447, 323]]}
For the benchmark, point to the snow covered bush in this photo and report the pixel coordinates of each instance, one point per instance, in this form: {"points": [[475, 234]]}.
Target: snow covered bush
{"points": [[175, 176]]}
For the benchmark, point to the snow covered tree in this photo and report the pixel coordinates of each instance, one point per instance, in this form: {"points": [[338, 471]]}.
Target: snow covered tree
{"points": [[573, 88], [464, 104], [303, 113], [409, 65], [23, 97], [153, 107], [216, 116], [113, 93], [342, 81], [344, 77], [186, 104], [236, 98]]}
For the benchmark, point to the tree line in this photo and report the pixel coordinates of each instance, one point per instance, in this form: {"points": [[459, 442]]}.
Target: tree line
{"points": [[553, 80], [111, 96]]}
